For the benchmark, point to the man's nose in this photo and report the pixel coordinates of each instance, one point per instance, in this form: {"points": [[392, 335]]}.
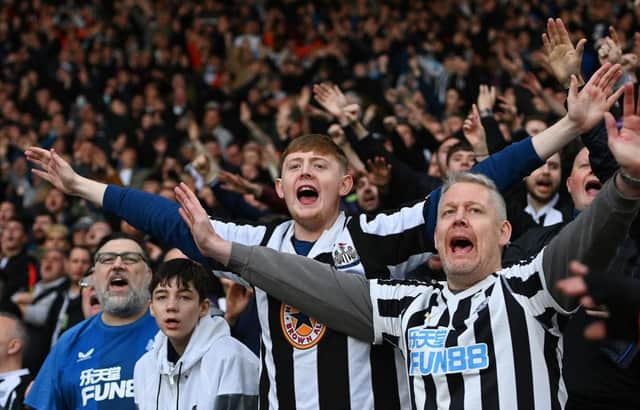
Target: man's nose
{"points": [[461, 216]]}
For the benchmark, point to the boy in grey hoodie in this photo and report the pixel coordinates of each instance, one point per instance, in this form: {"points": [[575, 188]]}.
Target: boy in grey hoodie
{"points": [[194, 362]]}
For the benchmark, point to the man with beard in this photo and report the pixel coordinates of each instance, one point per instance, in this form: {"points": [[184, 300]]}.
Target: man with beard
{"points": [[92, 364], [541, 203]]}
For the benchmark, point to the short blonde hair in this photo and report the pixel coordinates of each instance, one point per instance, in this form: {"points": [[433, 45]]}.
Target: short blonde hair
{"points": [[479, 179]]}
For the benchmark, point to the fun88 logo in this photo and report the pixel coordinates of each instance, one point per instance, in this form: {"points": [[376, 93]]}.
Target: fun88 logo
{"points": [[428, 354]]}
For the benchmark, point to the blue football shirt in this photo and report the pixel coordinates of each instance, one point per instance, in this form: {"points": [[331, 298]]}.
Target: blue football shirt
{"points": [[91, 366]]}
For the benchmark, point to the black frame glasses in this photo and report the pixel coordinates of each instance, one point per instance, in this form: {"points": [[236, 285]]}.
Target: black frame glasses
{"points": [[128, 258]]}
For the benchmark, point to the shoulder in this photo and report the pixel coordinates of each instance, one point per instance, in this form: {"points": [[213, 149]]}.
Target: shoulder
{"points": [[144, 366], [228, 349], [69, 338]]}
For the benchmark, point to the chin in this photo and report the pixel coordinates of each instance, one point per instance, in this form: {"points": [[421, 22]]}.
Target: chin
{"points": [[460, 269]]}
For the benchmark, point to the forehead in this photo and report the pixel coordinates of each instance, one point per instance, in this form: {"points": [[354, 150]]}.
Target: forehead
{"points": [[462, 152], [120, 245], [462, 192], [174, 283], [53, 254], [80, 253], [310, 155], [581, 158], [555, 158], [444, 147], [14, 225]]}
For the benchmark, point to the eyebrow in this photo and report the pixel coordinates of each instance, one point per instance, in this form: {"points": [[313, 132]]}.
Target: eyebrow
{"points": [[467, 203]]}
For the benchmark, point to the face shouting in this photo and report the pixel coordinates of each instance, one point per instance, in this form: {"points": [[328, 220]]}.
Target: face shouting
{"points": [[311, 186], [582, 184], [177, 308], [368, 195], [469, 234], [121, 278], [543, 183]]}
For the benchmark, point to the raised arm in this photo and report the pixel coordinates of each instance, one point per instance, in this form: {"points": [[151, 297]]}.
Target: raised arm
{"points": [[339, 300], [149, 213], [59, 173], [593, 237]]}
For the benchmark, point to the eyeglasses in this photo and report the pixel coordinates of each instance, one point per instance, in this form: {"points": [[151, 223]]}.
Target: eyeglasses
{"points": [[85, 283], [128, 258]]}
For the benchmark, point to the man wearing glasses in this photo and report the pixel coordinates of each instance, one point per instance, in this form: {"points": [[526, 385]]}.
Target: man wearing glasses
{"points": [[92, 364]]}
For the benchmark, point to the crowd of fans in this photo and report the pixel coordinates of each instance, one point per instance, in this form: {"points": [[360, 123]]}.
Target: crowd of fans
{"points": [[148, 94]]}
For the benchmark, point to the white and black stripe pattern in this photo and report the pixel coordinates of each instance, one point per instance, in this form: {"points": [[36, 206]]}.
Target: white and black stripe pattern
{"points": [[338, 372], [495, 345]]}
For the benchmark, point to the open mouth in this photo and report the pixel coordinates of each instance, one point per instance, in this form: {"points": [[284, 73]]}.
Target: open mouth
{"points": [[118, 282], [593, 187], [307, 194], [93, 301], [171, 323], [460, 245], [543, 185]]}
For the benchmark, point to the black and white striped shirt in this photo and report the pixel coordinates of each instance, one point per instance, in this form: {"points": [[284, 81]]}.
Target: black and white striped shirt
{"points": [[497, 344], [305, 364]]}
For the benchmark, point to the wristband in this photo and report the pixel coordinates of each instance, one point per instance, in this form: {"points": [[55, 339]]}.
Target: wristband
{"points": [[486, 112], [629, 180]]}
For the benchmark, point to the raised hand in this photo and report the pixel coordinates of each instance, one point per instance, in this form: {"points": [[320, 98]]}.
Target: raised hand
{"points": [[609, 48], [575, 286], [614, 299], [625, 143], [379, 171], [53, 169], [531, 83], [193, 214], [237, 183], [237, 298], [486, 97], [586, 108], [474, 132], [245, 112], [330, 97], [564, 59]]}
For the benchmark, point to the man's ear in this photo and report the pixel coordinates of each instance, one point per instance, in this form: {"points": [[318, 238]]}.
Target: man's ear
{"points": [[205, 307], [14, 346], [151, 310], [346, 184], [505, 233], [568, 183], [279, 190]]}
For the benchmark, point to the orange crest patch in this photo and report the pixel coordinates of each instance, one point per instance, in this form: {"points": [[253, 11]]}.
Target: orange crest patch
{"points": [[300, 330]]}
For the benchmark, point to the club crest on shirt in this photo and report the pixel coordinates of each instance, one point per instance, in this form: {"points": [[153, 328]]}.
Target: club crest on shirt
{"points": [[300, 330], [344, 255]]}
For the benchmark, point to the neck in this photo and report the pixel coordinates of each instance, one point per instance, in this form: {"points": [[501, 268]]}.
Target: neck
{"points": [[180, 345], [9, 253], [536, 203], [10, 364], [112, 320], [460, 282], [310, 232]]}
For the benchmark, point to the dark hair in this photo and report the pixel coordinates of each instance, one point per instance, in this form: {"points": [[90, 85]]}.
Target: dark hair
{"points": [[457, 147], [185, 271], [121, 235]]}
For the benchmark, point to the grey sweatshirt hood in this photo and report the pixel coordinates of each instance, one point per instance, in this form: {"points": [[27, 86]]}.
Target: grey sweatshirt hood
{"points": [[207, 331]]}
